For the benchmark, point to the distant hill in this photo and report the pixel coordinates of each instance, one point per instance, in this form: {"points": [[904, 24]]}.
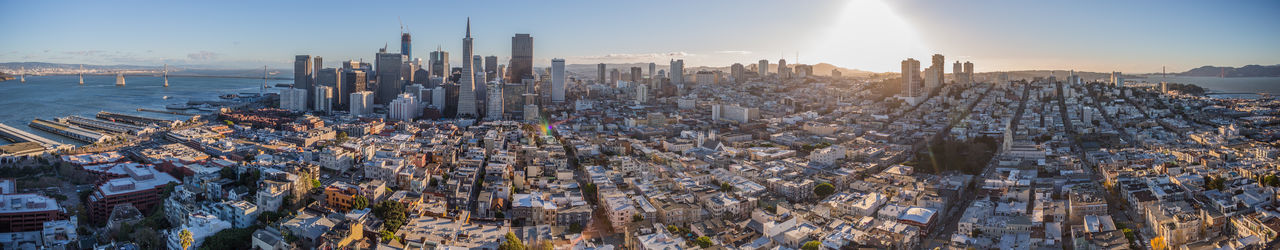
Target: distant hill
{"points": [[1246, 71], [589, 70], [62, 68]]}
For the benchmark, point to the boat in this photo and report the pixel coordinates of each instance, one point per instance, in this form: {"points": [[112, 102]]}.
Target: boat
{"points": [[284, 85], [178, 106], [119, 79], [166, 97], [228, 96]]}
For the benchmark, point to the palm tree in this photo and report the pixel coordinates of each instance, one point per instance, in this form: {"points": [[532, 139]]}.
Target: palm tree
{"points": [[185, 238]]}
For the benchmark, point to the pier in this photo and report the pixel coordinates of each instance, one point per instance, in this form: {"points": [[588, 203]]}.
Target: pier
{"points": [[108, 126], [137, 120], [76, 133], [16, 135]]}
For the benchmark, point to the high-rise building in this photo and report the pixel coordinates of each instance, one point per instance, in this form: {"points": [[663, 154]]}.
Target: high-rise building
{"points": [[403, 108], [557, 80], [939, 73], [494, 106], [315, 81], [957, 72], [636, 75], [293, 99], [406, 45], [615, 76], [438, 98], [783, 71], [389, 82], [491, 68], [653, 67], [911, 77], [362, 103], [439, 61], [738, 72], [1117, 79], [467, 84], [352, 81], [642, 93], [416, 91], [706, 78], [968, 72], [600, 68], [513, 100], [332, 78], [521, 66], [677, 72], [323, 99], [802, 70], [763, 69], [302, 74], [931, 79]]}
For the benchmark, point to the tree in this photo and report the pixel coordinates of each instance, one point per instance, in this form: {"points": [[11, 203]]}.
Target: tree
{"points": [[575, 228], [512, 243], [185, 238], [703, 241], [636, 218], [392, 214], [387, 236], [1157, 243], [811, 245], [823, 190], [726, 187], [359, 202], [229, 122]]}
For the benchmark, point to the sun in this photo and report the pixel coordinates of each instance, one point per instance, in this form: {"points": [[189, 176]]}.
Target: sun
{"points": [[869, 35]]}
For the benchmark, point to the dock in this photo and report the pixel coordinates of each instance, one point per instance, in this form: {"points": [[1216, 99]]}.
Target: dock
{"points": [[76, 133], [167, 112], [138, 120], [108, 126], [18, 136]]}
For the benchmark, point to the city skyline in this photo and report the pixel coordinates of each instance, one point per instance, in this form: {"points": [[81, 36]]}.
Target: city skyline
{"points": [[1089, 36]]}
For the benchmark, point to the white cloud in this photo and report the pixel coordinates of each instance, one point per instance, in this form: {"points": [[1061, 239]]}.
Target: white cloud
{"points": [[624, 57], [734, 52], [202, 56]]}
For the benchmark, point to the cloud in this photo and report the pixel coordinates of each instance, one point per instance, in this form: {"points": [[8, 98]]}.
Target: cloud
{"points": [[84, 52], [735, 52], [202, 56]]}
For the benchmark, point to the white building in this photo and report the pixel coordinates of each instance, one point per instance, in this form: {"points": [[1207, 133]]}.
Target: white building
{"points": [[293, 99], [200, 225], [323, 99], [494, 109], [361, 103], [530, 112], [437, 98], [403, 108], [734, 113], [642, 93], [557, 80], [827, 156]]}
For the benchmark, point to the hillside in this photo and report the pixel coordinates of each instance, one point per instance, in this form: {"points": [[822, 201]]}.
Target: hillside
{"points": [[1246, 71]]}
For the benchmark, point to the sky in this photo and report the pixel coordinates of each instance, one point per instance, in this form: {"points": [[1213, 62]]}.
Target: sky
{"points": [[874, 35]]}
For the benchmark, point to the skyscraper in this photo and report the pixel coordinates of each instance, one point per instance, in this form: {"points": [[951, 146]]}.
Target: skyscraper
{"points": [[302, 75], [406, 46], [491, 68], [494, 106], [521, 58], [957, 74], [653, 67], [677, 72], [361, 103], [600, 73], [323, 99], [332, 78], [315, 81], [782, 69], [636, 75], [557, 80], [939, 63], [467, 84], [614, 76], [763, 69], [910, 77], [353, 80], [439, 61], [968, 72], [389, 82], [738, 72], [403, 108]]}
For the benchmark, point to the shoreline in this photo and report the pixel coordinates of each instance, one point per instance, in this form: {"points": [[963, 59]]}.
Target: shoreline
{"points": [[197, 76]]}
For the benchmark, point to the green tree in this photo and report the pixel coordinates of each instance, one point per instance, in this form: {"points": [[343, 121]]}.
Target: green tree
{"points": [[703, 241], [636, 218], [575, 228], [392, 214], [387, 236], [811, 245], [726, 187], [823, 190], [229, 122], [512, 243], [359, 202]]}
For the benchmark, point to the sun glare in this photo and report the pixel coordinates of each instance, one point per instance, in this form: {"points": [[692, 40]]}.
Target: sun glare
{"points": [[869, 35]]}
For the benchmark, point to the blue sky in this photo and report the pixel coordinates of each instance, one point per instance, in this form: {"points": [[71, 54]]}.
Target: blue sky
{"points": [[1130, 36]]}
